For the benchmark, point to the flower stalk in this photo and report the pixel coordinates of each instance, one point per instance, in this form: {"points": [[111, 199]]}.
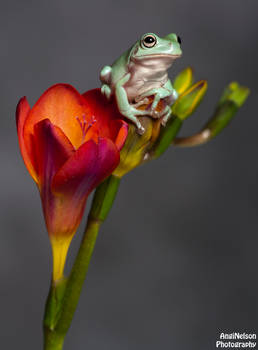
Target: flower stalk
{"points": [[64, 296], [60, 310], [233, 97]]}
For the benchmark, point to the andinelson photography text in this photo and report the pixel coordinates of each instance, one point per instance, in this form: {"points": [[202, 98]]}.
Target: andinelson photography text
{"points": [[230, 340]]}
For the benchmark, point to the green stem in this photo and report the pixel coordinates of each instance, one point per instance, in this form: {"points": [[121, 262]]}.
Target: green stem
{"points": [[53, 341], [60, 310], [77, 277]]}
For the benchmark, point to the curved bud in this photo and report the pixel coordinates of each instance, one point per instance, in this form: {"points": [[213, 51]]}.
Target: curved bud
{"points": [[235, 93], [187, 103], [231, 100]]}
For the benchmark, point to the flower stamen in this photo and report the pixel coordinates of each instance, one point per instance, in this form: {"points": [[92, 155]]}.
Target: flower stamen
{"points": [[85, 125]]}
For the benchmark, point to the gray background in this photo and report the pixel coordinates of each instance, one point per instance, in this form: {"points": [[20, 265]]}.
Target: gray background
{"points": [[175, 263]]}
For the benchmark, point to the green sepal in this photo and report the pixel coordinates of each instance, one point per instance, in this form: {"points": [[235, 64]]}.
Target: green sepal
{"points": [[54, 303], [166, 136], [183, 80], [187, 103], [104, 197]]}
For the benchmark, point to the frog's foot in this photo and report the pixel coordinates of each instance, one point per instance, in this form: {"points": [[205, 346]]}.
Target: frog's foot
{"points": [[106, 91], [132, 114], [166, 116], [156, 115], [140, 129], [136, 121]]}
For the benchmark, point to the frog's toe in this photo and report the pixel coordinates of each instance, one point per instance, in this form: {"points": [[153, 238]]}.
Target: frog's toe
{"points": [[140, 129], [139, 112], [156, 114], [163, 122], [154, 105], [106, 91], [166, 117], [141, 103]]}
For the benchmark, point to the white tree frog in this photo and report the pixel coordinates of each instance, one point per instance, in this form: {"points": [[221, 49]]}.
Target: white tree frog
{"points": [[142, 72]]}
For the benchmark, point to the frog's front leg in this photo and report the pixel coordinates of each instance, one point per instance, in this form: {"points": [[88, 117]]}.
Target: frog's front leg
{"points": [[165, 92], [169, 100], [124, 106]]}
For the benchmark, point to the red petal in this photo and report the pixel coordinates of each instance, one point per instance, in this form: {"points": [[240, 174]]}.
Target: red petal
{"points": [[105, 112], [62, 105], [108, 159], [69, 190], [22, 112], [78, 171], [52, 150], [89, 165]]}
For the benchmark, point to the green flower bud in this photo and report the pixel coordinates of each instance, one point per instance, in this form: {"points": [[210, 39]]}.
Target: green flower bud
{"points": [[187, 103]]}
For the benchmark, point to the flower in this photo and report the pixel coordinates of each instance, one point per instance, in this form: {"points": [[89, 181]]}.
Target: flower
{"points": [[68, 149]]}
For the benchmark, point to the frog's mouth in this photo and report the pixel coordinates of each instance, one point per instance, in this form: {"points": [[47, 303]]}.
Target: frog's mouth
{"points": [[158, 55]]}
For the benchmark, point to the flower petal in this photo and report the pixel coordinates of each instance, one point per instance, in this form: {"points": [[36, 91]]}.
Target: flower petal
{"points": [[62, 105], [105, 113], [22, 112], [109, 158], [52, 150], [78, 172], [120, 130], [68, 192], [89, 165]]}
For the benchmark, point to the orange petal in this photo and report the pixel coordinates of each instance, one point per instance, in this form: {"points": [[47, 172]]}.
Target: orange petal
{"points": [[22, 112], [120, 130], [62, 105]]}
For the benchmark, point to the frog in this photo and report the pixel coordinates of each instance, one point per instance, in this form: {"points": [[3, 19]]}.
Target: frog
{"points": [[141, 73]]}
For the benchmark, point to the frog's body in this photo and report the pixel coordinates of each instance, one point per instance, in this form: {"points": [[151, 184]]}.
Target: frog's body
{"points": [[142, 72]]}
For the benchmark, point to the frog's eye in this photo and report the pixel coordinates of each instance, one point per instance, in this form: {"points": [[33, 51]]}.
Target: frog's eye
{"points": [[179, 39], [149, 40]]}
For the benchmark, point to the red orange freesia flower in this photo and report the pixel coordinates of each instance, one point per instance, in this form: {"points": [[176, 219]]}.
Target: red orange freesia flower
{"points": [[69, 143]]}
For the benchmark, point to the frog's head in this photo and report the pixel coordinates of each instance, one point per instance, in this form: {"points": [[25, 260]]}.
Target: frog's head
{"points": [[150, 46]]}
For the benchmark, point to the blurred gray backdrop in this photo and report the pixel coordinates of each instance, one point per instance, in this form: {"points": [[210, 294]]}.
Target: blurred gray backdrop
{"points": [[176, 261]]}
